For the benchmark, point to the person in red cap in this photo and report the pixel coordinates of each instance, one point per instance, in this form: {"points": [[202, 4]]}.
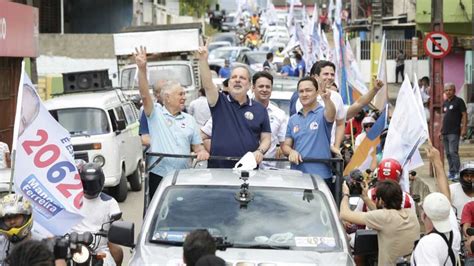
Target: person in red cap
{"points": [[388, 169]]}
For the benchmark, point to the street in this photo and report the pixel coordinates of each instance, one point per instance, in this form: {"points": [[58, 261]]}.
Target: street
{"points": [[132, 211]]}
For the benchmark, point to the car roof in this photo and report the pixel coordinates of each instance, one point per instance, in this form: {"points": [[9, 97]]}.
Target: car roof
{"points": [[281, 178], [99, 99], [232, 48]]}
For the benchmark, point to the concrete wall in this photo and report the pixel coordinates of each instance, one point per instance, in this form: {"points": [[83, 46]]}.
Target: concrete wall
{"points": [[76, 52], [454, 69], [421, 68]]}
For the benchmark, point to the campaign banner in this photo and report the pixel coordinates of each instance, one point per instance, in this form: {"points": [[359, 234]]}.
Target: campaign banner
{"points": [[45, 172]]}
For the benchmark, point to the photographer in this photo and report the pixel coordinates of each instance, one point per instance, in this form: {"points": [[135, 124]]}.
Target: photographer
{"points": [[441, 244], [397, 228], [97, 209], [388, 169], [197, 245], [33, 253]]}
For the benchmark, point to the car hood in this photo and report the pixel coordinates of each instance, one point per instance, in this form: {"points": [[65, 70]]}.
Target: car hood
{"points": [[172, 256]]}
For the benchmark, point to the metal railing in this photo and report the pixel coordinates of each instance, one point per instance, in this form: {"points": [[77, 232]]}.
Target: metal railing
{"points": [[336, 164], [393, 45]]}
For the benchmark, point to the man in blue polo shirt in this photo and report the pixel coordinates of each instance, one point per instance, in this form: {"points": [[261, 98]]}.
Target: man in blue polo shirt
{"points": [[308, 133], [171, 130], [240, 125]]}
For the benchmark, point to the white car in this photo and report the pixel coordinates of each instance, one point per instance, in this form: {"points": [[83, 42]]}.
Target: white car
{"points": [[104, 130], [277, 217]]}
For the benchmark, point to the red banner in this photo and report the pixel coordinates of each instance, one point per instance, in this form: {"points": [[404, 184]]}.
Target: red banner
{"points": [[19, 30]]}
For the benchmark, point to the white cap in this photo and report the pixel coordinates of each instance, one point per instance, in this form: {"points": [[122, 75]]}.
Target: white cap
{"points": [[368, 120], [437, 207]]}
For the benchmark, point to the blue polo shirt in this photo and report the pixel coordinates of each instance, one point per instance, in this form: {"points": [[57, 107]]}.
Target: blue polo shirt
{"points": [[143, 129], [236, 128], [171, 134], [293, 101], [300, 67], [312, 139], [287, 69]]}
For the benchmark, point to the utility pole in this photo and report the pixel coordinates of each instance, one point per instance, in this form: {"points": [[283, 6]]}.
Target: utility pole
{"points": [[437, 87]]}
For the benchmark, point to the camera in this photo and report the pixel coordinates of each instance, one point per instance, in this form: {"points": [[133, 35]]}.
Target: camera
{"points": [[354, 181], [65, 247]]}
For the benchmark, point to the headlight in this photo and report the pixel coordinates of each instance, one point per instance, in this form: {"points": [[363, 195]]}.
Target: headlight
{"points": [[82, 256], [100, 160]]}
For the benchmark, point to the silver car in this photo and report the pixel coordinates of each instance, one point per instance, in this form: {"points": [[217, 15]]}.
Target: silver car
{"points": [[277, 217]]}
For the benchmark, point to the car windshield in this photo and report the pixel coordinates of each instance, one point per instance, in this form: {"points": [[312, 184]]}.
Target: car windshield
{"points": [[282, 104], [82, 121], [224, 38], [213, 46], [180, 73], [256, 58], [223, 54], [274, 218]]}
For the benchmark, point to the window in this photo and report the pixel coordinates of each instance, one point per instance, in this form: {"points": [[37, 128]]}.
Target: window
{"points": [[82, 121], [129, 114]]}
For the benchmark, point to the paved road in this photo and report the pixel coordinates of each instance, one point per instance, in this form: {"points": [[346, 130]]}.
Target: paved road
{"points": [[132, 210]]}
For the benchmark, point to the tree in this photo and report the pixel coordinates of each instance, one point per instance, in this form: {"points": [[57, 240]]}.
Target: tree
{"points": [[194, 8]]}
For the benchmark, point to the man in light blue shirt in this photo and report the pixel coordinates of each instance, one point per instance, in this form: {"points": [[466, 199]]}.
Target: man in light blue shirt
{"points": [[171, 130], [308, 133]]}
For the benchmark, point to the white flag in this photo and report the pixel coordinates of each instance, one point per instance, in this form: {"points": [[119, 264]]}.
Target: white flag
{"points": [[380, 100], [45, 172], [406, 132]]}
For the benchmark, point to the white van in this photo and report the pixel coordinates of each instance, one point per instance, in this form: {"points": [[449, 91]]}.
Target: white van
{"points": [[104, 129]]}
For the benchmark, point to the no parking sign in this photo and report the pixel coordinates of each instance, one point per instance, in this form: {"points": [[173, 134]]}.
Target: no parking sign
{"points": [[437, 44]]}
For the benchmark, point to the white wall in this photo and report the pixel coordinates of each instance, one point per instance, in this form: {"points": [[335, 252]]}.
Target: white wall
{"points": [[422, 69], [60, 64]]}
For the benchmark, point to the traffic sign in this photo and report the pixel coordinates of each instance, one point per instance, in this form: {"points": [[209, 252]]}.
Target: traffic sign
{"points": [[437, 44]]}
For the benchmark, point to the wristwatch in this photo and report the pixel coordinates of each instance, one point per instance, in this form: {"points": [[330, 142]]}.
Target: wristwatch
{"points": [[348, 195], [261, 150]]}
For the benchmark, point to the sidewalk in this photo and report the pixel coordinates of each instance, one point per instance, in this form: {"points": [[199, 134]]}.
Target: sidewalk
{"points": [[466, 152]]}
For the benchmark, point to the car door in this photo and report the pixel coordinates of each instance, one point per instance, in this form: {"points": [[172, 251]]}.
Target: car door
{"points": [[133, 144], [122, 137]]}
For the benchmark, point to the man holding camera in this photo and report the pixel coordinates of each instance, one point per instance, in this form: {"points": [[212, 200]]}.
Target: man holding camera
{"points": [[397, 228]]}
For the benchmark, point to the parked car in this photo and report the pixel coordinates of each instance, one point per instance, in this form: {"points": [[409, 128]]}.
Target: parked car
{"points": [[219, 55], [277, 217], [227, 37], [104, 130], [230, 22], [254, 59], [215, 45]]}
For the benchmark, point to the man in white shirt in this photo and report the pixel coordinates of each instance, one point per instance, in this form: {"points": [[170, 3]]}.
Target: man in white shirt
{"points": [[97, 209], [441, 244], [199, 108]]}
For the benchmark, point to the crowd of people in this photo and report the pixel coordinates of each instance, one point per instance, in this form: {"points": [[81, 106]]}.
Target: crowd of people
{"points": [[227, 122]]}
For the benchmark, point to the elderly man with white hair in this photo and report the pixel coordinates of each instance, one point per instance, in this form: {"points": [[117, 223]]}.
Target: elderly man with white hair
{"points": [[171, 130]]}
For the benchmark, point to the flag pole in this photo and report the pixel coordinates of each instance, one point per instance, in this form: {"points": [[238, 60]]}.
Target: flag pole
{"points": [[16, 126]]}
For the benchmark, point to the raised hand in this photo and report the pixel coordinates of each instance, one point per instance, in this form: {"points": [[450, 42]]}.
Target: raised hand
{"points": [[140, 57], [203, 52], [378, 84]]}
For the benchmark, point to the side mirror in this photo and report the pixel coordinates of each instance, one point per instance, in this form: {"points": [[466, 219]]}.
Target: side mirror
{"points": [[366, 242], [122, 233], [116, 216], [120, 126]]}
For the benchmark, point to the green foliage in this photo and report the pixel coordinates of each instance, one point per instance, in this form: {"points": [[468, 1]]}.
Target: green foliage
{"points": [[195, 8]]}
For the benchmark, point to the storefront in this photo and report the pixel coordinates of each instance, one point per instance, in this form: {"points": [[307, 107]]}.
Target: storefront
{"points": [[18, 40]]}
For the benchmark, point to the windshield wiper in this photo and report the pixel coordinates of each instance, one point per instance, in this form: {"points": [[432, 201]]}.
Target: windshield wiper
{"points": [[259, 246], [166, 242]]}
